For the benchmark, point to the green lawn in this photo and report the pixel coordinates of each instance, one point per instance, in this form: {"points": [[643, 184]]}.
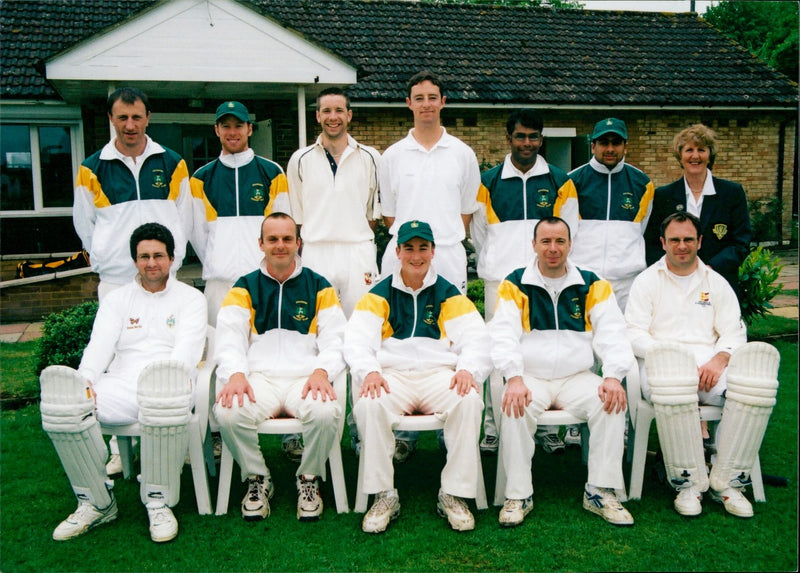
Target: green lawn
{"points": [[558, 535]]}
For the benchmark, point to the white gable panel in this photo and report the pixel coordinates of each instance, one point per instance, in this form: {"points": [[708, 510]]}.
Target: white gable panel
{"points": [[201, 40]]}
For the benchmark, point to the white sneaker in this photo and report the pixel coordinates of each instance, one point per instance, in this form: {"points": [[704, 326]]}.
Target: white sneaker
{"points": [[385, 509], [489, 444], [86, 517], [550, 443], [114, 465], [456, 511], [309, 502], [604, 502], [403, 450], [572, 437], [255, 505], [734, 501], [687, 502], [293, 448], [163, 525], [514, 511]]}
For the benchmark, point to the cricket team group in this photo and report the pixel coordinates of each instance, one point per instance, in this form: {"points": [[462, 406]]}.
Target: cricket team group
{"points": [[589, 276]]}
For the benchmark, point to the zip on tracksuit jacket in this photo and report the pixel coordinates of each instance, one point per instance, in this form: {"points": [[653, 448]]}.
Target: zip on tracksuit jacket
{"points": [[112, 199], [614, 207], [284, 329], [231, 196], [537, 334], [510, 207], [396, 327]]}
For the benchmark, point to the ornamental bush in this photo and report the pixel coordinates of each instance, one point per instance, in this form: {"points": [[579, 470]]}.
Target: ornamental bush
{"points": [[757, 276], [64, 336]]}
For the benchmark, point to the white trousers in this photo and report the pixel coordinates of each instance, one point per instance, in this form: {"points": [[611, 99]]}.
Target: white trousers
{"points": [[425, 392], [577, 395], [450, 261], [351, 268], [274, 397]]}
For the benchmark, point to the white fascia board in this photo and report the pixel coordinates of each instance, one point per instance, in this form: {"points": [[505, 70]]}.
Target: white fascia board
{"points": [[200, 40], [32, 110]]}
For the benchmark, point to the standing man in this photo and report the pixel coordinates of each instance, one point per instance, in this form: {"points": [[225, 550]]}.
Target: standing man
{"points": [[154, 317], [279, 346], [615, 201], [679, 299], [231, 196], [333, 189], [551, 319], [431, 176], [513, 197], [130, 181], [416, 344]]}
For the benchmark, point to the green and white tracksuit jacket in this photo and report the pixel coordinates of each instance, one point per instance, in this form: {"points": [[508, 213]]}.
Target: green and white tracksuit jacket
{"points": [[555, 335], [284, 329], [511, 203], [231, 196], [614, 208], [114, 195], [396, 327]]}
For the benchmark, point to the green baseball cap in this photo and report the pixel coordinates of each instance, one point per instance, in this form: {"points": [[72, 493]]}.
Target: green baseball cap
{"points": [[411, 229], [234, 108], [610, 125]]}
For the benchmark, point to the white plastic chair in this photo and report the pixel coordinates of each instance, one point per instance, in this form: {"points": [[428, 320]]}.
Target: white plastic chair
{"points": [[197, 430], [419, 423], [289, 426], [642, 415]]}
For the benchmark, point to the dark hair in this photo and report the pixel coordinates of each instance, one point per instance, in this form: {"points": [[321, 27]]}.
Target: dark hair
{"points": [[279, 215], [680, 217], [552, 220], [152, 232], [129, 96], [336, 92], [526, 118], [424, 76]]}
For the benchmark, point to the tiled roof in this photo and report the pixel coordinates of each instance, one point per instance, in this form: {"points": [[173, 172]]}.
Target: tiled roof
{"points": [[485, 54]]}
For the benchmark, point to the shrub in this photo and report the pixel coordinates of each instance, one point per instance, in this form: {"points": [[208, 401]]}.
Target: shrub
{"points": [[475, 294], [64, 336], [757, 276]]}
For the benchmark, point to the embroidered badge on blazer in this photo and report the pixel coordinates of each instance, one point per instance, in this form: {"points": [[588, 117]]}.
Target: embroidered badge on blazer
{"points": [[720, 230]]}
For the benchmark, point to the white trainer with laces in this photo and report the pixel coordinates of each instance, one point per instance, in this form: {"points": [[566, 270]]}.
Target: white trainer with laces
{"points": [[734, 501], [114, 465], [293, 447], [550, 443], [403, 450], [309, 502], [385, 508], [163, 525], [85, 517], [255, 505], [572, 437], [456, 511], [489, 444], [514, 511], [687, 502], [604, 502]]}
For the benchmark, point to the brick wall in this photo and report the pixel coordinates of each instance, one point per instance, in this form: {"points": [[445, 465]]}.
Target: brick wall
{"points": [[30, 303]]}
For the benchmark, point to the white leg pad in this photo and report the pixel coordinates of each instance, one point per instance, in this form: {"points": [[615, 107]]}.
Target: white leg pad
{"points": [[750, 397], [165, 407], [69, 419], [672, 372]]}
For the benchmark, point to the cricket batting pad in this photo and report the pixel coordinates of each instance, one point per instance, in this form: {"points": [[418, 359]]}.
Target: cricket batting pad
{"points": [[672, 373], [69, 419], [749, 399], [165, 407]]}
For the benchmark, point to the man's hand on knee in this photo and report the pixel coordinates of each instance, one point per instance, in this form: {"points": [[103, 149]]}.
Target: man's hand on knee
{"points": [[463, 382], [372, 385], [613, 396], [516, 397], [236, 387], [319, 386]]}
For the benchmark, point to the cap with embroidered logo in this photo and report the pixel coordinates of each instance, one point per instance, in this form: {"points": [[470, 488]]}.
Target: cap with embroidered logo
{"points": [[610, 125], [411, 229], [234, 108]]}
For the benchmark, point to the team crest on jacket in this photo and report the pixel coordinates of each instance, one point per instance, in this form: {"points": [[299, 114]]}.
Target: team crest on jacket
{"points": [[367, 278], [300, 311], [171, 321], [133, 323], [705, 299], [627, 201], [429, 318], [576, 309], [257, 192], [544, 198], [159, 179], [720, 230]]}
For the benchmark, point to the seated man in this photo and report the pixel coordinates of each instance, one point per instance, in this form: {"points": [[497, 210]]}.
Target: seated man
{"points": [[681, 300], [279, 346], [418, 346], [154, 317], [551, 318]]}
